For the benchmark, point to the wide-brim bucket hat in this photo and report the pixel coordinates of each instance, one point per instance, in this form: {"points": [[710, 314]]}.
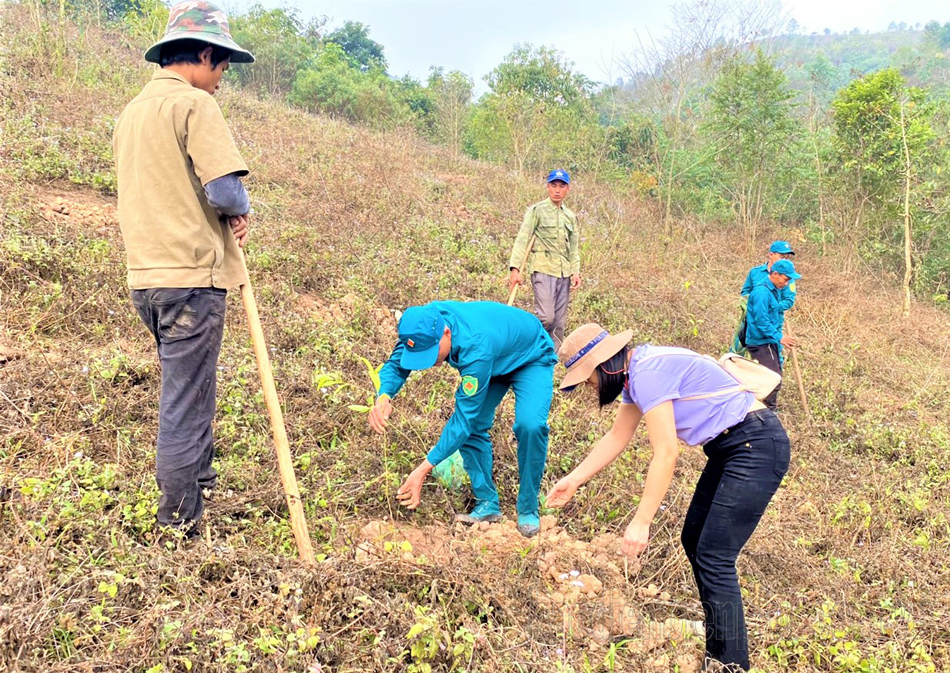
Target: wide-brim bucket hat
{"points": [[199, 20], [585, 348]]}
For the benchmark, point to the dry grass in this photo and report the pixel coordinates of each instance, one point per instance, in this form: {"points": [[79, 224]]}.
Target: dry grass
{"points": [[848, 566]]}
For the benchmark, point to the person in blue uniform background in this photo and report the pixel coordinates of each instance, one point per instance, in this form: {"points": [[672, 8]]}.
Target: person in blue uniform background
{"points": [[494, 347], [759, 274], [764, 338]]}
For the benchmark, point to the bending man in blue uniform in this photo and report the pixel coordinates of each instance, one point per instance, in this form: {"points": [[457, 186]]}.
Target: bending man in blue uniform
{"points": [[494, 347]]}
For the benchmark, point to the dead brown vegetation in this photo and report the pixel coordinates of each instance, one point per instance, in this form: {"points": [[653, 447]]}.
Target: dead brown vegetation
{"points": [[350, 226]]}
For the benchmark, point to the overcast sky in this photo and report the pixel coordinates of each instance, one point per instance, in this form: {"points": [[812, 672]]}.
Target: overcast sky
{"points": [[474, 36]]}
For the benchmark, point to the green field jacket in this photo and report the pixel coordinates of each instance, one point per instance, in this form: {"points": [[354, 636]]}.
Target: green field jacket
{"points": [[556, 249]]}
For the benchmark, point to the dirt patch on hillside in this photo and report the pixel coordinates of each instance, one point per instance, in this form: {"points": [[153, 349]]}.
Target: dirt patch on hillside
{"points": [[8, 352], [590, 588], [83, 211], [323, 311]]}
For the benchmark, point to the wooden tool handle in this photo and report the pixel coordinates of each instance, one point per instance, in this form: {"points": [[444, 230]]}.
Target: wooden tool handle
{"points": [[514, 290], [298, 521], [798, 373]]}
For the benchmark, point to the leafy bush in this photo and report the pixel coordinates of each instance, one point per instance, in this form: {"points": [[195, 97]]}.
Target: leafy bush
{"points": [[332, 85]]}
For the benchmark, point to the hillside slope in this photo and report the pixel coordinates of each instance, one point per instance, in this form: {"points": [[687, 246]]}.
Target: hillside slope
{"points": [[847, 572]]}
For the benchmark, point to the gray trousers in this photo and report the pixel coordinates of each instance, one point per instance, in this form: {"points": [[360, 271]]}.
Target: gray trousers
{"points": [[551, 295], [188, 324]]}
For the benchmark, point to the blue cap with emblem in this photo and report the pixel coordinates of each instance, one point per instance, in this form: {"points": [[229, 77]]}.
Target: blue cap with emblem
{"points": [[786, 268], [558, 174], [420, 330], [782, 248]]}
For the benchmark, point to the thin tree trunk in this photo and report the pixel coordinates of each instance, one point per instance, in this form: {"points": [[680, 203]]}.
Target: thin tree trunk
{"points": [[908, 269], [759, 204], [456, 128], [852, 238], [669, 195], [821, 198], [667, 222]]}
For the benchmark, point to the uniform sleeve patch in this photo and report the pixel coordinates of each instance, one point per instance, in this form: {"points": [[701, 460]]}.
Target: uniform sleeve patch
{"points": [[469, 385]]}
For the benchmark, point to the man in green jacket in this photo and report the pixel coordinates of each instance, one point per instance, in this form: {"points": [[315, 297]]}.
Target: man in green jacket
{"points": [[554, 260]]}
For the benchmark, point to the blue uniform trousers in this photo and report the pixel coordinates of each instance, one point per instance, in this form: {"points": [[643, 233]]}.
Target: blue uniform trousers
{"points": [[532, 387]]}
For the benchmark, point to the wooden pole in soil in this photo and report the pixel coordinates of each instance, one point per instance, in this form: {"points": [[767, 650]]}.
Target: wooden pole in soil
{"points": [[798, 373], [298, 522], [527, 251]]}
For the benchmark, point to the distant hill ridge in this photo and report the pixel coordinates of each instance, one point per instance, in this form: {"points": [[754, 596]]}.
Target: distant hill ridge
{"points": [[826, 63]]}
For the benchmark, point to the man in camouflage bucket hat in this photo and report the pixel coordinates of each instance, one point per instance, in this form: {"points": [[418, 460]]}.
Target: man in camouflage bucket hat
{"points": [[183, 214]]}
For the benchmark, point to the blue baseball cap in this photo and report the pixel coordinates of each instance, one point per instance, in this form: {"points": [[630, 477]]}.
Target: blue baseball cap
{"points": [[558, 174], [420, 330], [782, 248], [786, 268]]}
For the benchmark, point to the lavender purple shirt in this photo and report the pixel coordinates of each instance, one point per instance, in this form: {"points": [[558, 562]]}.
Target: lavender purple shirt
{"points": [[682, 373]]}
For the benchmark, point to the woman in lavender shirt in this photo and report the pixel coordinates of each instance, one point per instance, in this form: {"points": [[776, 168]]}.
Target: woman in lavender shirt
{"points": [[682, 395]]}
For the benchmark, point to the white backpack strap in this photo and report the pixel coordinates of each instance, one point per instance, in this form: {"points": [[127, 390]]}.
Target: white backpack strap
{"points": [[728, 391], [689, 355]]}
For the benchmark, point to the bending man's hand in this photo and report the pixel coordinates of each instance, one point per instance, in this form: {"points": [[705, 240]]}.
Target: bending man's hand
{"points": [[561, 492], [636, 538], [789, 341], [239, 228], [575, 281], [410, 493], [380, 413]]}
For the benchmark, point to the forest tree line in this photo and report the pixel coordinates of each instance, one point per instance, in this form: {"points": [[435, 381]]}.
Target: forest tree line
{"points": [[733, 117]]}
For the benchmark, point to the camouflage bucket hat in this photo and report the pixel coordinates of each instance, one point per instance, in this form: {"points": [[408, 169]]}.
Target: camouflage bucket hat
{"points": [[199, 20]]}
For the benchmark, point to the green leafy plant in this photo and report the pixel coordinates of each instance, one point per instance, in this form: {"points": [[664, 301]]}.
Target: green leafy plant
{"points": [[373, 373], [424, 639]]}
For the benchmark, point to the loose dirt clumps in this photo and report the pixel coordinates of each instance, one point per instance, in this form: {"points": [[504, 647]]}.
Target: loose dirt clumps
{"points": [[319, 310], [323, 311], [86, 214], [8, 353], [588, 587]]}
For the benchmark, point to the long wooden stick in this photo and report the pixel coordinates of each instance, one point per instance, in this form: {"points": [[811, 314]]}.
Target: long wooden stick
{"points": [[285, 463], [798, 372], [527, 251]]}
